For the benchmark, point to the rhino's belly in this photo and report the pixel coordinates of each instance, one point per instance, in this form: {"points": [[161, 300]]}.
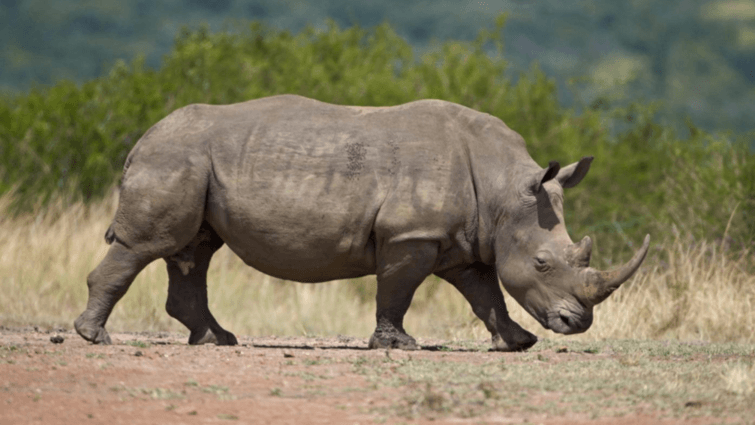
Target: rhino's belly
{"points": [[303, 261], [302, 267], [296, 242]]}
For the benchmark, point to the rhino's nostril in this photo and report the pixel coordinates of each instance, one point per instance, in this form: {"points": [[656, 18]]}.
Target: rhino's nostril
{"points": [[568, 321]]}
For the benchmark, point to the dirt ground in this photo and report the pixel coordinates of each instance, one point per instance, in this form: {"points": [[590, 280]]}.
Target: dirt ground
{"points": [[156, 378]]}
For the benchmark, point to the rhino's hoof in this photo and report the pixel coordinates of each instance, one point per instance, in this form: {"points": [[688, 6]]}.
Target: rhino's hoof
{"points": [[397, 341], [522, 342], [228, 339], [207, 336], [94, 334]]}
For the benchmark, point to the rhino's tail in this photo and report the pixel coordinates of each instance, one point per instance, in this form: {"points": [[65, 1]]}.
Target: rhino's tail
{"points": [[110, 235]]}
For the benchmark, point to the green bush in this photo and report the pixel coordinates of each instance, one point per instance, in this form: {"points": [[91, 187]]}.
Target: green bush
{"points": [[71, 141]]}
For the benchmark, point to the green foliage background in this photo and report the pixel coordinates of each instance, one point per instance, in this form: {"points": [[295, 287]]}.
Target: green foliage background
{"points": [[70, 140], [695, 55]]}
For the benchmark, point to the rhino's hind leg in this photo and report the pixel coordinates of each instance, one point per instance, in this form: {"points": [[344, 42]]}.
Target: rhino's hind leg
{"points": [[401, 269], [479, 285], [107, 284], [187, 289]]}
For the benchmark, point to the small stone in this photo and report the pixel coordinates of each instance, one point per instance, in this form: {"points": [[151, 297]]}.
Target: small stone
{"points": [[57, 339]]}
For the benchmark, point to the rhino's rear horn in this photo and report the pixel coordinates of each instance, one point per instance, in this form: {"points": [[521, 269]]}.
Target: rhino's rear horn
{"points": [[599, 284], [578, 255]]}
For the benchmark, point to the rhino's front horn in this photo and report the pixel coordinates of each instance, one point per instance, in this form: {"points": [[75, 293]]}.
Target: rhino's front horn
{"points": [[599, 284]]}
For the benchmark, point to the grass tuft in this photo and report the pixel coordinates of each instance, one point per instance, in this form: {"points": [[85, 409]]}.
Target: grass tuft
{"points": [[739, 378]]}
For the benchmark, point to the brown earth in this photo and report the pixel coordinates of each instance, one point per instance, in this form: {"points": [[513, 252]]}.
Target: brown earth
{"points": [[155, 378]]}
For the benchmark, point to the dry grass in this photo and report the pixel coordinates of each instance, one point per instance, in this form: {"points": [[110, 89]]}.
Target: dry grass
{"points": [[686, 291]]}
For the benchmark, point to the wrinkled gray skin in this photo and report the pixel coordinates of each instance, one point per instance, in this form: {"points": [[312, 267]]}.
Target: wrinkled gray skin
{"points": [[307, 191]]}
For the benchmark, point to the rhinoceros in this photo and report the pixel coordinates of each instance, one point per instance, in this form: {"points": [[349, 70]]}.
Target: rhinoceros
{"points": [[311, 192]]}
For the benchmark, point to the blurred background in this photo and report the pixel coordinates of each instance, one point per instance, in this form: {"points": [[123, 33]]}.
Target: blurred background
{"points": [[698, 56]]}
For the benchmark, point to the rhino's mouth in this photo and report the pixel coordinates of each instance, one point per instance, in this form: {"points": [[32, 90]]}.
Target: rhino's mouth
{"points": [[567, 322], [562, 319]]}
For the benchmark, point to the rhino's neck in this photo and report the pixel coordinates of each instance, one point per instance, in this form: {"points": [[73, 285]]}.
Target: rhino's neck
{"points": [[497, 159]]}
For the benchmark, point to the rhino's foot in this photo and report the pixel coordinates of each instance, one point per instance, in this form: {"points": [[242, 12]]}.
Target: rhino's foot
{"points": [[517, 339], [91, 333], [397, 340], [207, 336]]}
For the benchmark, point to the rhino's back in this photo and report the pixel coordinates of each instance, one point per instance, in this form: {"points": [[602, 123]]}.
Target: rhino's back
{"points": [[310, 191]]}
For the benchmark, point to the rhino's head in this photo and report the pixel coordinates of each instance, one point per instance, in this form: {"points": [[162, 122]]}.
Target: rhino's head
{"points": [[540, 266]]}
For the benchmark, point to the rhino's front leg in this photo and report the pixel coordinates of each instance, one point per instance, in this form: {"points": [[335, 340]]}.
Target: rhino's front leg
{"points": [[401, 269], [479, 285]]}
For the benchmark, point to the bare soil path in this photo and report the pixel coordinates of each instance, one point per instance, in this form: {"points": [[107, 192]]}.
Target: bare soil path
{"points": [[155, 378]]}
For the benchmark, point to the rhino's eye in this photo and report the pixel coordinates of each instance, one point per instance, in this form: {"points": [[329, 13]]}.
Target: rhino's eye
{"points": [[541, 264]]}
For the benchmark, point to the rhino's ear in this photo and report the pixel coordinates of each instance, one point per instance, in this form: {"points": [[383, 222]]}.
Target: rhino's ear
{"points": [[571, 175], [544, 175]]}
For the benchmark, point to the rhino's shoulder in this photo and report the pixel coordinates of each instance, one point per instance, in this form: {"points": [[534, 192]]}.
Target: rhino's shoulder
{"points": [[463, 114], [286, 101], [480, 126]]}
